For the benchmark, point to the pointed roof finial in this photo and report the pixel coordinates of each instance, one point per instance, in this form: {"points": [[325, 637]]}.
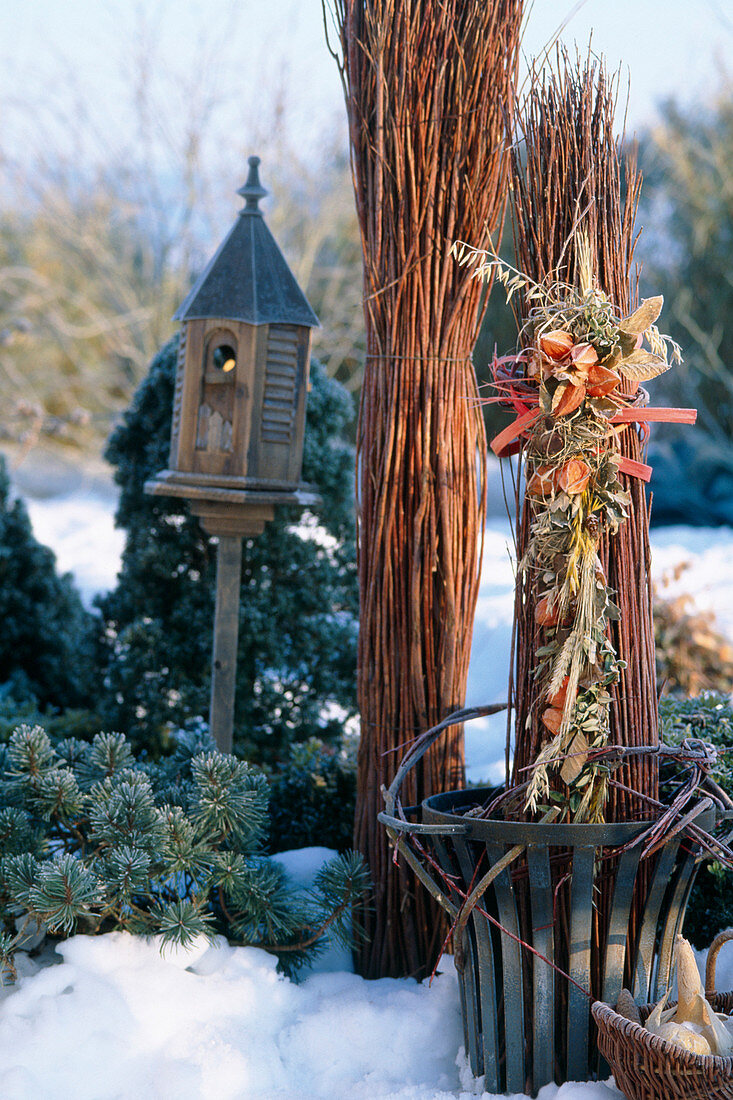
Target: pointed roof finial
{"points": [[248, 278], [253, 190]]}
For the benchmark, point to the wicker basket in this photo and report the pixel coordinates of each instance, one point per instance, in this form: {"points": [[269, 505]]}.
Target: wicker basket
{"points": [[646, 1067]]}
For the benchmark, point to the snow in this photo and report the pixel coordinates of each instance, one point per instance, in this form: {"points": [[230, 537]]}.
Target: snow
{"points": [[708, 577], [219, 1022], [488, 671], [117, 1020], [80, 530], [301, 867]]}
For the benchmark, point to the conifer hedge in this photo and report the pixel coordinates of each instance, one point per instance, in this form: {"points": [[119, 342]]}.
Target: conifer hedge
{"points": [[298, 612], [46, 635]]}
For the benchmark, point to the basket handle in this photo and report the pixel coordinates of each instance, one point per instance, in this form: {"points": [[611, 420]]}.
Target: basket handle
{"points": [[418, 828], [398, 826], [710, 966], [722, 815], [421, 745]]}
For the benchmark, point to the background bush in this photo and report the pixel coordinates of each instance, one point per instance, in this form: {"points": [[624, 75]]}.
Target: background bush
{"points": [[46, 636], [298, 612], [710, 717], [59, 724], [313, 798], [691, 654]]}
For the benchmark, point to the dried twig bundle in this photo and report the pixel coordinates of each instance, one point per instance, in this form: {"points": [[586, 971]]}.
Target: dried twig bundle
{"points": [[427, 86], [568, 175]]}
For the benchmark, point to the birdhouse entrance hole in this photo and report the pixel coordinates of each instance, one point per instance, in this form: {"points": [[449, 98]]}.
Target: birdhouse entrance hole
{"points": [[224, 358], [221, 357]]}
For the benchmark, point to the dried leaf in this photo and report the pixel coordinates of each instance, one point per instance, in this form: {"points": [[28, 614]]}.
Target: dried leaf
{"points": [[626, 344], [640, 366], [647, 313], [552, 719], [604, 406], [627, 340], [573, 765], [567, 398]]}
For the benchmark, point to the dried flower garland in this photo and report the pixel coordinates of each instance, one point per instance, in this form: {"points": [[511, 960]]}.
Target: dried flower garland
{"points": [[565, 382]]}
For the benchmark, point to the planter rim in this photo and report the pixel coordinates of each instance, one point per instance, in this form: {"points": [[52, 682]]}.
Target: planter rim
{"points": [[438, 809]]}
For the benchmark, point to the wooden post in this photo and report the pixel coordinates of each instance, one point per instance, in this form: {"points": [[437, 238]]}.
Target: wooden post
{"points": [[226, 631]]}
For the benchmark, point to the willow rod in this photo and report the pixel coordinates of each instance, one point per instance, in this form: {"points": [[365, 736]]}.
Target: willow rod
{"points": [[428, 90], [568, 172]]}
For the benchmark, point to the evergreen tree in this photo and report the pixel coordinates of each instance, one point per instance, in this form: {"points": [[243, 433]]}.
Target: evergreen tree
{"points": [[92, 840], [46, 639], [297, 631], [313, 796]]}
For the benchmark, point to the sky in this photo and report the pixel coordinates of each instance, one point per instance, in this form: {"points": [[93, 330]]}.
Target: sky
{"points": [[78, 52]]}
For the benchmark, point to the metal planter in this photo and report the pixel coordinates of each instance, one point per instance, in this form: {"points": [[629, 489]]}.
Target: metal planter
{"points": [[524, 1023]]}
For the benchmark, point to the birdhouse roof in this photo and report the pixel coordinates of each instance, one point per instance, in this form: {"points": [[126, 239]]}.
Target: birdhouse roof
{"points": [[248, 278]]}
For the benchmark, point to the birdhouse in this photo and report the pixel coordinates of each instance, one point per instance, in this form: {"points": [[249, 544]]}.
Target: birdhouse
{"points": [[241, 383], [239, 414]]}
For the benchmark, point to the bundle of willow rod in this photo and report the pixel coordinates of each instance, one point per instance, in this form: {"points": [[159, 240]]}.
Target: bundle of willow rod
{"points": [[428, 88], [568, 174]]}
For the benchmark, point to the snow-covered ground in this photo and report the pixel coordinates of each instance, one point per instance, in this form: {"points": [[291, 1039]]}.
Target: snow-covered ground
{"points": [[115, 1020]]}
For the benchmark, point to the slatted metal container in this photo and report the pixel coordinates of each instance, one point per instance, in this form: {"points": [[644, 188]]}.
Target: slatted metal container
{"points": [[525, 1024]]}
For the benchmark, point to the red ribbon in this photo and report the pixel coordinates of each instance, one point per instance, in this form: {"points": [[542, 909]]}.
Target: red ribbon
{"points": [[509, 441], [646, 416], [668, 416], [634, 468]]}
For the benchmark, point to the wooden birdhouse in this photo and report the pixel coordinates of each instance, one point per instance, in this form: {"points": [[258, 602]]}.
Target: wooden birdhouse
{"points": [[239, 414], [239, 406]]}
